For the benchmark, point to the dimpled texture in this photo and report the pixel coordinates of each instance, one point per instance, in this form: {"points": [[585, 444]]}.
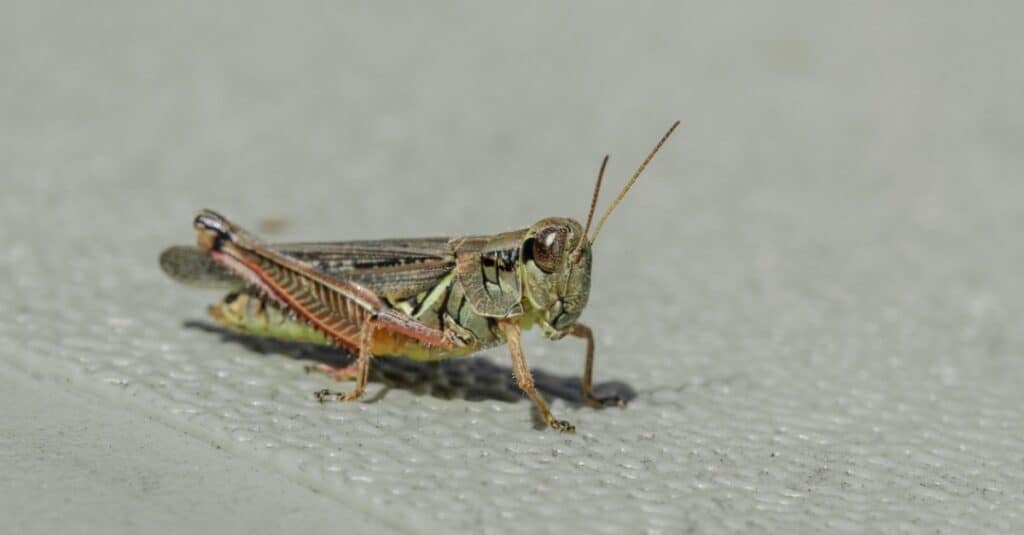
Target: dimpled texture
{"points": [[813, 296]]}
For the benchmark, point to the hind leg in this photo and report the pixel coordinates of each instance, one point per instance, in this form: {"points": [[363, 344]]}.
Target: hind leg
{"points": [[359, 370]]}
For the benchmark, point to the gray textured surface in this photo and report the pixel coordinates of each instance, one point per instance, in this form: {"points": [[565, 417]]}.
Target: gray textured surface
{"points": [[815, 292]]}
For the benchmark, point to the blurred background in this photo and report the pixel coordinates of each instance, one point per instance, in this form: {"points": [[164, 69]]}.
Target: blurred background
{"points": [[814, 291]]}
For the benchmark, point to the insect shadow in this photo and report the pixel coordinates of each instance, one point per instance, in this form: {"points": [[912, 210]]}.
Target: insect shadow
{"points": [[469, 378]]}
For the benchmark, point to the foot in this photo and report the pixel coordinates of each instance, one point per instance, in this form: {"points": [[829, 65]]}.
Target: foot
{"points": [[321, 395], [562, 426]]}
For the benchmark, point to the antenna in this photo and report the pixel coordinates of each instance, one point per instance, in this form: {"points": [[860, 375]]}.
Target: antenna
{"points": [[597, 190], [629, 184]]}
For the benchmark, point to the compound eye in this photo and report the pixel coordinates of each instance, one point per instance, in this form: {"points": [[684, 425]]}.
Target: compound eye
{"points": [[548, 245]]}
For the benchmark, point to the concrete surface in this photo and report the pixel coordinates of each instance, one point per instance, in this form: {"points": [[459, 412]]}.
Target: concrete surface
{"points": [[814, 293]]}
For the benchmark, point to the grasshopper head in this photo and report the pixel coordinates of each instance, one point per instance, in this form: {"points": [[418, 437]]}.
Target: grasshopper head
{"points": [[556, 257], [556, 261]]}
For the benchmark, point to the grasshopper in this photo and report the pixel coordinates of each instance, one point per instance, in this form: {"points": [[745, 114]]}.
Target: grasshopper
{"points": [[426, 299]]}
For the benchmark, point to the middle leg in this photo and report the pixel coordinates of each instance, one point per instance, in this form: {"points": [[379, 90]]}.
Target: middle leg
{"points": [[582, 331]]}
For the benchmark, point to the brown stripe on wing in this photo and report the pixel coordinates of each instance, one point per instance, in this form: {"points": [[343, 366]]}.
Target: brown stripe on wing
{"points": [[334, 257], [394, 269], [401, 282]]}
